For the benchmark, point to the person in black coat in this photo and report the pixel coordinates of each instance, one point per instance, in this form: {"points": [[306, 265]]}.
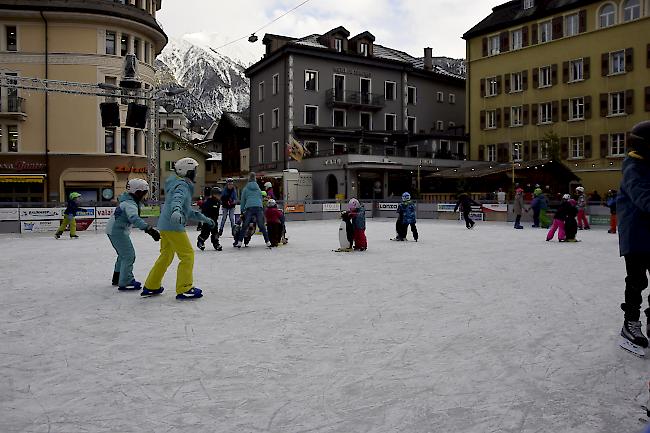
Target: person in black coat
{"points": [[210, 208], [465, 203], [570, 223]]}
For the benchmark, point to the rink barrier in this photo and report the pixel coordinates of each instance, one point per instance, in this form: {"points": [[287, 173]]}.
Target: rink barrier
{"points": [[29, 218]]}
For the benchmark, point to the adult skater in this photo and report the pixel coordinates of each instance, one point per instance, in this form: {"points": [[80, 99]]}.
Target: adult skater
{"points": [[251, 208], [465, 203], [228, 203], [501, 196], [558, 220], [518, 207], [611, 204], [72, 207], [539, 203], [582, 209], [174, 215], [406, 216], [210, 209], [633, 207], [118, 230]]}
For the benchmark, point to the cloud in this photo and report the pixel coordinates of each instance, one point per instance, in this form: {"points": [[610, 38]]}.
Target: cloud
{"points": [[408, 25]]}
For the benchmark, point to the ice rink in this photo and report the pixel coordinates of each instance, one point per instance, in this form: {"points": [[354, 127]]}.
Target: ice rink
{"points": [[489, 330]]}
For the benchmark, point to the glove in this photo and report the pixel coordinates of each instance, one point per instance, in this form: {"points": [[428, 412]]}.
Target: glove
{"points": [[210, 222], [155, 234], [178, 218]]}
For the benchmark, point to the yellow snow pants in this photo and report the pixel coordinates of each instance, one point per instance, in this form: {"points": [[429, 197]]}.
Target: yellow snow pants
{"points": [[173, 243], [68, 220]]}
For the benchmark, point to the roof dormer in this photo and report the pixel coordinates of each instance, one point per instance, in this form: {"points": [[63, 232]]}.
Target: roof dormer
{"points": [[336, 39], [363, 44]]}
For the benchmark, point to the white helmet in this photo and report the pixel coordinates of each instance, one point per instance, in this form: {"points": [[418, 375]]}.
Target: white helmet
{"points": [[186, 167], [271, 203], [135, 185], [580, 189], [268, 185], [566, 197], [354, 204]]}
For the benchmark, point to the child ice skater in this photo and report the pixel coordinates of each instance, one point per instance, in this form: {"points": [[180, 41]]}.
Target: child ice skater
{"points": [[406, 217], [174, 214], [559, 219], [582, 209], [357, 214], [72, 207], [570, 223], [274, 222], [118, 229], [210, 209], [611, 204], [228, 203], [519, 208]]}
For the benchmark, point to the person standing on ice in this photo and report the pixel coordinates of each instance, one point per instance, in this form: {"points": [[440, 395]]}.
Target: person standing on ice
{"points": [[228, 203], [357, 214], [118, 229], [611, 204], [72, 207], [210, 208], [633, 209], [582, 209], [501, 196], [407, 216], [268, 188], [539, 203], [174, 215], [518, 208], [464, 203], [558, 220], [570, 224], [251, 208], [274, 222]]}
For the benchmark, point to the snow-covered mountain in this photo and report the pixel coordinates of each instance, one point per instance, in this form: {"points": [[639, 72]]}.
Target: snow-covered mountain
{"points": [[215, 83]]}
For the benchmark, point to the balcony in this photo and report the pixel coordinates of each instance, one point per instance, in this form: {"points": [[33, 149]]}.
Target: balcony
{"points": [[13, 108], [355, 100]]}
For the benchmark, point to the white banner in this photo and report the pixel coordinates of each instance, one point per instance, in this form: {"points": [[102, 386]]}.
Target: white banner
{"points": [[9, 214], [104, 212], [47, 213], [388, 206], [446, 207], [331, 207], [39, 226], [495, 207], [100, 224], [476, 216]]}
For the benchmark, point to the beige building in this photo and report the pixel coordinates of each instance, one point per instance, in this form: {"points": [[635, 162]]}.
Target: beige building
{"points": [[174, 147], [53, 143], [568, 78]]}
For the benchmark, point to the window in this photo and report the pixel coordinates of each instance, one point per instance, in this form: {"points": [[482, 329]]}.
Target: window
{"points": [[616, 103], [390, 151], [544, 150], [494, 45], [492, 152], [411, 151], [529, 4], [365, 120], [516, 116], [390, 122], [452, 98], [147, 53], [137, 49], [363, 49], [617, 144], [338, 45], [12, 137], [275, 118], [412, 95], [571, 25], [516, 82], [109, 141], [545, 78], [312, 148], [389, 91], [260, 123], [617, 62], [576, 147], [311, 80], [339, 118], [276, 84], [440, 97], [365, 149], [490, 119], [339, 148], [516, 151], [545, 113], [460, 149], [12, 38], [124, 141], [607, 15], [138, 142], [631, 10], [311, 115], [545, 31], [577, 109], [110, 43], [260, 154], [170, 165], [491, 89], [275, 151], [440, 125], [170, 123], [517, 39], [124, 44], [260, 91], [576, 70], [412, 125]]}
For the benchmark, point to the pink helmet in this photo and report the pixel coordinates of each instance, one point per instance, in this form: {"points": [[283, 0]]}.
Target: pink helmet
{"points": [[354, 204], [519, 190]]}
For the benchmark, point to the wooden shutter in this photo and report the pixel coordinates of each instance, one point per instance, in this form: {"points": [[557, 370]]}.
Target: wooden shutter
{"points": [[535, 78], [587, 144], [555, 111], [629, 101], [558, 28], [506, 117], [535, 34], [525, 114], [534, 118], [587, 67], [524, 79], [604, 104], [504, 42], [482, 119], [564, 147], [647, 99], [503, 152], [498, 115], [604, 64], [587, 107], [506, 79], [482, 87], [565, 110], [565, 72], [534, 149], [604, 145], [582, 21], [498, 84], [554, 79], [525, 40], [527, 150], [647, 56], [485, 47], [481, 152], [629, 59]]}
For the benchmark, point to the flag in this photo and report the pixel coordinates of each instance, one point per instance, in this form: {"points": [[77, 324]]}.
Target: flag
{"points": [[296, 150]]}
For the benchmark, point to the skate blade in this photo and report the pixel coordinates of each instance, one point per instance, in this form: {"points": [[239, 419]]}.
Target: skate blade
{"points": [[635, 350]]}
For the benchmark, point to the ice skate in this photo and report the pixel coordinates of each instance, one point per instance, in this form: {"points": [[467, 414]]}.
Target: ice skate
{"points": [[632, 338], [149, 293], [200, 244], [217, 247], [74, 237], [57, 235], [343, 250], [116, 279], [133, 285], [193, 293], [236, 244], [268, 245]]}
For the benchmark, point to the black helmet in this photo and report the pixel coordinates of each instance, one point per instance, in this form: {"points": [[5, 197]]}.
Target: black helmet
{"points": [[215, 190], [640, 134]]}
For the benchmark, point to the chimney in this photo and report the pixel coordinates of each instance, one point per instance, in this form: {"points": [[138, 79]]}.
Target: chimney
{"points": [[428, 59]]}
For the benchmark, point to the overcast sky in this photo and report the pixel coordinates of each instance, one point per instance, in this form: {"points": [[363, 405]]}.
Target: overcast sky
{"points": [[408, 25]]}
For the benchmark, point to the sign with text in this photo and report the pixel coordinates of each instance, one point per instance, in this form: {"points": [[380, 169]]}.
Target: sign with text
{"points": [[446, 207], [331, 207], [495, 208], [9, 214], [45, 213], [85, 213], [39, 226], [104, 212], [294, 208], [388, 206]]}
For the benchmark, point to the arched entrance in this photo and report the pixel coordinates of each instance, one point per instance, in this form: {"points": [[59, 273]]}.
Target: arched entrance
{"points": [[332, 187]]}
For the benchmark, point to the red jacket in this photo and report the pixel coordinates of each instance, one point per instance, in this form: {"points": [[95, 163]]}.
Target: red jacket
{"points": [[273, 215]]}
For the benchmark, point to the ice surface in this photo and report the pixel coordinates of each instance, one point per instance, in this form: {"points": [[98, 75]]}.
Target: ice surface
{"points": [[490, 330]]}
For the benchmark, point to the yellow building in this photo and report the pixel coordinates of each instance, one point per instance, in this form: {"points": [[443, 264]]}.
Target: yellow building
{"points": [[568, 78], [53, 143]]}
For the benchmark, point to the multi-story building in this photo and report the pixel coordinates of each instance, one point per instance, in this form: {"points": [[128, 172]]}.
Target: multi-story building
{"points": [[368, 116], [175, 121], [53, 143], [566, 78]]}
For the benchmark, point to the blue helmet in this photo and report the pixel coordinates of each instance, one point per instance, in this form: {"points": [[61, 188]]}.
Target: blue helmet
{"points": [[406, 196]]}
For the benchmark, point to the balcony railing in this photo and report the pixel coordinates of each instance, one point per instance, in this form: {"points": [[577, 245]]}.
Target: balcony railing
{"points": [[354, 99], [386, 151], [16, 105]]}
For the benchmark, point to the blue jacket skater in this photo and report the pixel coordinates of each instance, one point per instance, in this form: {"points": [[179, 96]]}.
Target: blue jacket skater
{"points": [[126, 214], [633, 206], [406, 211], [251, 196], [72, 208], [178, 196]]}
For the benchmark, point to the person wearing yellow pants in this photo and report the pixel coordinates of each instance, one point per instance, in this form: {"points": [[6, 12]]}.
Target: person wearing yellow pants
{"points": [[174, 241], [68, 216]]}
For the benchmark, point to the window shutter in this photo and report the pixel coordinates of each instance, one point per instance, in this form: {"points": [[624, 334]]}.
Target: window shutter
{"points": [[558, 28], [505, 42], [535, 78], [527, 151], [498, 84], [498, 110], [564, 147], [565, 110], [647, 55], [535, 35], [534, 118], [525, 114], [554, 79], [506, 117], [565, 72], [587, 142], [604, 64], [481, 152], [604, 145], [587, 107], [586, 64], [524, 79], [629, 59], [604, 104], [482, 87], [485, 47], [503, 152], [629, 101], [534, 148], [555, 111], [482, 119], [524, 36], [582, 21], [647, 99], [506, 79]]}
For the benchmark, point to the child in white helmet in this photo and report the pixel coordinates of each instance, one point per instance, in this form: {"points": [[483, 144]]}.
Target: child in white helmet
{"points": [[357, 214], [582, 209]]}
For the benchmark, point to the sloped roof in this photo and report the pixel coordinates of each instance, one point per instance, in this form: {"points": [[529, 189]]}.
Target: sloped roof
{"points": [[238, 120]]}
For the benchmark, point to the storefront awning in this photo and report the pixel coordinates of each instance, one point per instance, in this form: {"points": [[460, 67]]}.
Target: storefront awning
{"points": [[22, 178]]}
